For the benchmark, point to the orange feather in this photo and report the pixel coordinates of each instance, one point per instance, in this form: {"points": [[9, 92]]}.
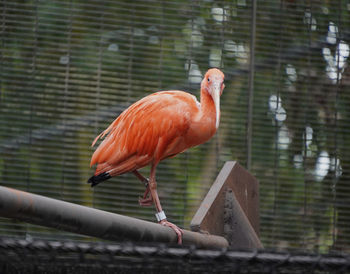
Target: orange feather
{"points": [[156, 127]]}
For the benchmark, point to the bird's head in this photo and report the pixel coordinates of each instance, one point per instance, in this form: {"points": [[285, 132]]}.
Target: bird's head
{"points": [[213, 83]]}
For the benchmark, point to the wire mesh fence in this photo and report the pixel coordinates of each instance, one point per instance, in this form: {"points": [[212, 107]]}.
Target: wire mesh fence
{"points": [[68, 68]]}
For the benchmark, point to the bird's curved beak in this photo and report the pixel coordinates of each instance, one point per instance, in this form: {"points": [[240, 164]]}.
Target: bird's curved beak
{"points": [[216, 98]]}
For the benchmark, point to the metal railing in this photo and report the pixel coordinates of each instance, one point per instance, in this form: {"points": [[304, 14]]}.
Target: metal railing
{"points": [[228, 215], [39, 210]]}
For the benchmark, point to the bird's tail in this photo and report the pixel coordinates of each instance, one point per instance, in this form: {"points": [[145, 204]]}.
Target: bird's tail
{"points": [[96, 179]]}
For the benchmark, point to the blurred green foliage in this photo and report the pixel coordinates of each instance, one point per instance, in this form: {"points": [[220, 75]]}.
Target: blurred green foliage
{"points": [[68, 68]]}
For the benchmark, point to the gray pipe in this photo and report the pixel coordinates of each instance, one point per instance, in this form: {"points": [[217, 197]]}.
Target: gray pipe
{"points": [[40, 210]]}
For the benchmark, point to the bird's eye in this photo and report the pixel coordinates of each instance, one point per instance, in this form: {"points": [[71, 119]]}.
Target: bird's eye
{"points": [[208, 79]]}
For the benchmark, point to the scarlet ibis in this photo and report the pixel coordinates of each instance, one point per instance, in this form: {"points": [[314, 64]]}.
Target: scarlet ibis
{"points": [[154, 128]]}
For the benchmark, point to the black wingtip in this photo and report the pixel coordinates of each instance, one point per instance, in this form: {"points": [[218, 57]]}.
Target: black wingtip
{"points": [[95, 180]]}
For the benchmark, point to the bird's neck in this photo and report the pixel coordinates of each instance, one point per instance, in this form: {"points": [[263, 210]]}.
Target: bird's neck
{"points": [[207, 105], [208, 112], [203, 122]]}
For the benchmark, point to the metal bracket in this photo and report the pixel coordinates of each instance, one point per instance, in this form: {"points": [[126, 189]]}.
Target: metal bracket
{"points": [[238, 191], [237, 228]]}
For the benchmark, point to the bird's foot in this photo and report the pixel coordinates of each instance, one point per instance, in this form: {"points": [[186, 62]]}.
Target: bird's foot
{"points": [[145, 201], [177, 230]]}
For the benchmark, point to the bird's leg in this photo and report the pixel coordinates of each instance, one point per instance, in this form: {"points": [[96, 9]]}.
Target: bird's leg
{"points": [[146, 200], [141, 177], [160, 215]]}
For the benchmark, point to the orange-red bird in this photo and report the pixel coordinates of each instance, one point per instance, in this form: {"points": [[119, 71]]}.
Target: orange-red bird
{"points": [[154, 128]]}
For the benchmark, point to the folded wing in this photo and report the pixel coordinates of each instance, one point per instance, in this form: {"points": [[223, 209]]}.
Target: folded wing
{"points": [[148, 131]]}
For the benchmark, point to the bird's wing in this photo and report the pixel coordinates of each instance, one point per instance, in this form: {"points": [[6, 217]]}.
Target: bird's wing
{"points": [[149, 130]]}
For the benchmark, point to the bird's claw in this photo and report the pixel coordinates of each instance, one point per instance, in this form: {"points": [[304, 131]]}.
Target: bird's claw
{"points": [[177, 230], [145, 201]]}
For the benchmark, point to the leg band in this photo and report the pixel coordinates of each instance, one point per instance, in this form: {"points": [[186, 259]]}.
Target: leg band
{"points": [[160, 216]]}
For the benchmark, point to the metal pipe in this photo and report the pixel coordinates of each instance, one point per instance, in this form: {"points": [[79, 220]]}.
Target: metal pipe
{"points": [[40, 210]]}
